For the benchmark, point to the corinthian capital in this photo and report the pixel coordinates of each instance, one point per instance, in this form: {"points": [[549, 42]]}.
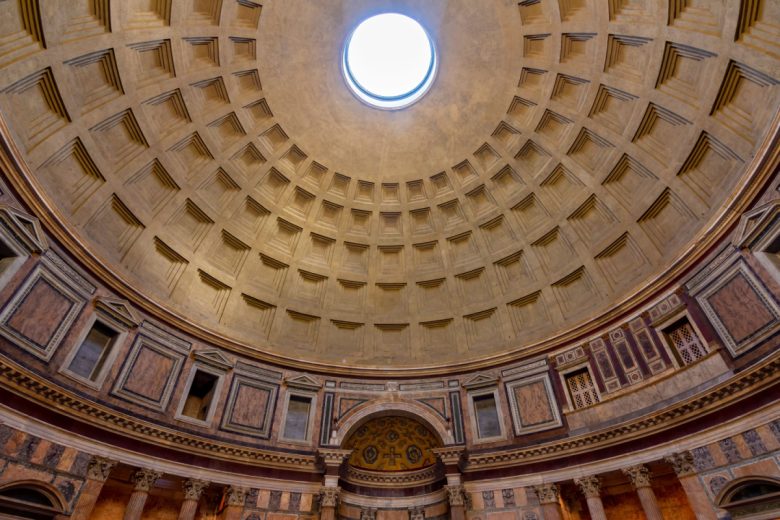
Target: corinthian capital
{"points": [[589, 486], [547, 493], [639, 475], [456, 495], [144, 479], [99, 468], [682, 463], [236, 496], [329, 496], [193, 488]]}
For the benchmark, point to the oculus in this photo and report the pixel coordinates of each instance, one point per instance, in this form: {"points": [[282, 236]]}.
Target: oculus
{"points": [[389, 61]]}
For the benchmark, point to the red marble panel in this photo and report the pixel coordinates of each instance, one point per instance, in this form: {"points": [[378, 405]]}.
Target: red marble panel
{"points": [[149, 374], [533, 404], [40, 313], [250, 406], [740, 308]]}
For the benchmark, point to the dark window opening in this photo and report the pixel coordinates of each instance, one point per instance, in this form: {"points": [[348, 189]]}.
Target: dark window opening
{"points": [[773, 251], [687, 347], [93, 352], [581, 389], [487, 416], [200, 395], [296, 425]]}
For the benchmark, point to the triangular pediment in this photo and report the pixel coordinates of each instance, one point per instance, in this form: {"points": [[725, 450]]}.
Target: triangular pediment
{"points": [[753, 222], [481, 380], [118, 310], [26, 228], [214, 358], [303, 381]]}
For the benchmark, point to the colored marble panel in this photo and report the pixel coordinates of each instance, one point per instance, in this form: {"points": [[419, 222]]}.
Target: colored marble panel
{"points": [[533, 404], [250, 407], [740, 308], [40, 314], [149, 375]]}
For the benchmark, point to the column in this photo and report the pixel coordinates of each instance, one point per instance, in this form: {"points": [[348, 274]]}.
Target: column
{"points": [[329, 500], [143, 481], [331, 460], [549, 496], [193, 489], [236, 497], [591, 490], [640, 479], [97, 474], [451, 457], [685, 469], [456, 495]]}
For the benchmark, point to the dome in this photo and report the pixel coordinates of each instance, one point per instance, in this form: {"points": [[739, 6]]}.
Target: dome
{"points": [[530, 270], [217, 170]]}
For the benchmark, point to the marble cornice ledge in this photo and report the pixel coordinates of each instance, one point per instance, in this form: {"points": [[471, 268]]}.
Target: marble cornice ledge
{"points": [[752, 182], [735, 389], [21, 382], [35, 388]]}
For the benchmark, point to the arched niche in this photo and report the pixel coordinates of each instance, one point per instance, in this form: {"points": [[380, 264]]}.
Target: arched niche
{"points": [[31, 499], [751, 498], [405, 408]]}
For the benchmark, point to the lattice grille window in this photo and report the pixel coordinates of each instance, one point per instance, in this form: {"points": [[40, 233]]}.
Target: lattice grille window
{"points": [[686, 342], [581, 389]]}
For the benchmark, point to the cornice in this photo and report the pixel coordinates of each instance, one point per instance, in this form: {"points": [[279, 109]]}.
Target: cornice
{"points": [[748, 189], [35, 388], [733, 390]]}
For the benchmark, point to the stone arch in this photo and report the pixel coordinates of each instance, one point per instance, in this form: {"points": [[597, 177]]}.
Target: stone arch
{"points": [[383, 408], [750, 494], [34, 496]]}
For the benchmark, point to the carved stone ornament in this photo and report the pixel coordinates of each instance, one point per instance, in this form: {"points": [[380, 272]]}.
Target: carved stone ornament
{"points": [[193, 488], [589, 486], [329, 496], [639, 475], [547, 493], [416, 513], [236, 496], [682, 463], [368, 514], [99, 468], [333, 458], [456, 495], [144, 479]]}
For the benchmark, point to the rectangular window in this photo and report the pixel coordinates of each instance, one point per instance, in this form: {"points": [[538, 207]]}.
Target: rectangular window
{"points": [[487, 416], [296, 425], [93, 352], [200, 395], [581, 389], [687, 346]]}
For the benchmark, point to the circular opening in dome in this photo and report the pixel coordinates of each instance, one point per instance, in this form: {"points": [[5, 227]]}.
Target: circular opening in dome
{"points": [[389, 61]]}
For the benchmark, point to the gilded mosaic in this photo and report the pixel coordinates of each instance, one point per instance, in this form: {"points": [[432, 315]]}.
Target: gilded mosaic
{"points": [[392, 444]]}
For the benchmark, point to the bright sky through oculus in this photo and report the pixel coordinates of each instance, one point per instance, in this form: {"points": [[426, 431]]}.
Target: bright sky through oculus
{"points": [[389, 60]]}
